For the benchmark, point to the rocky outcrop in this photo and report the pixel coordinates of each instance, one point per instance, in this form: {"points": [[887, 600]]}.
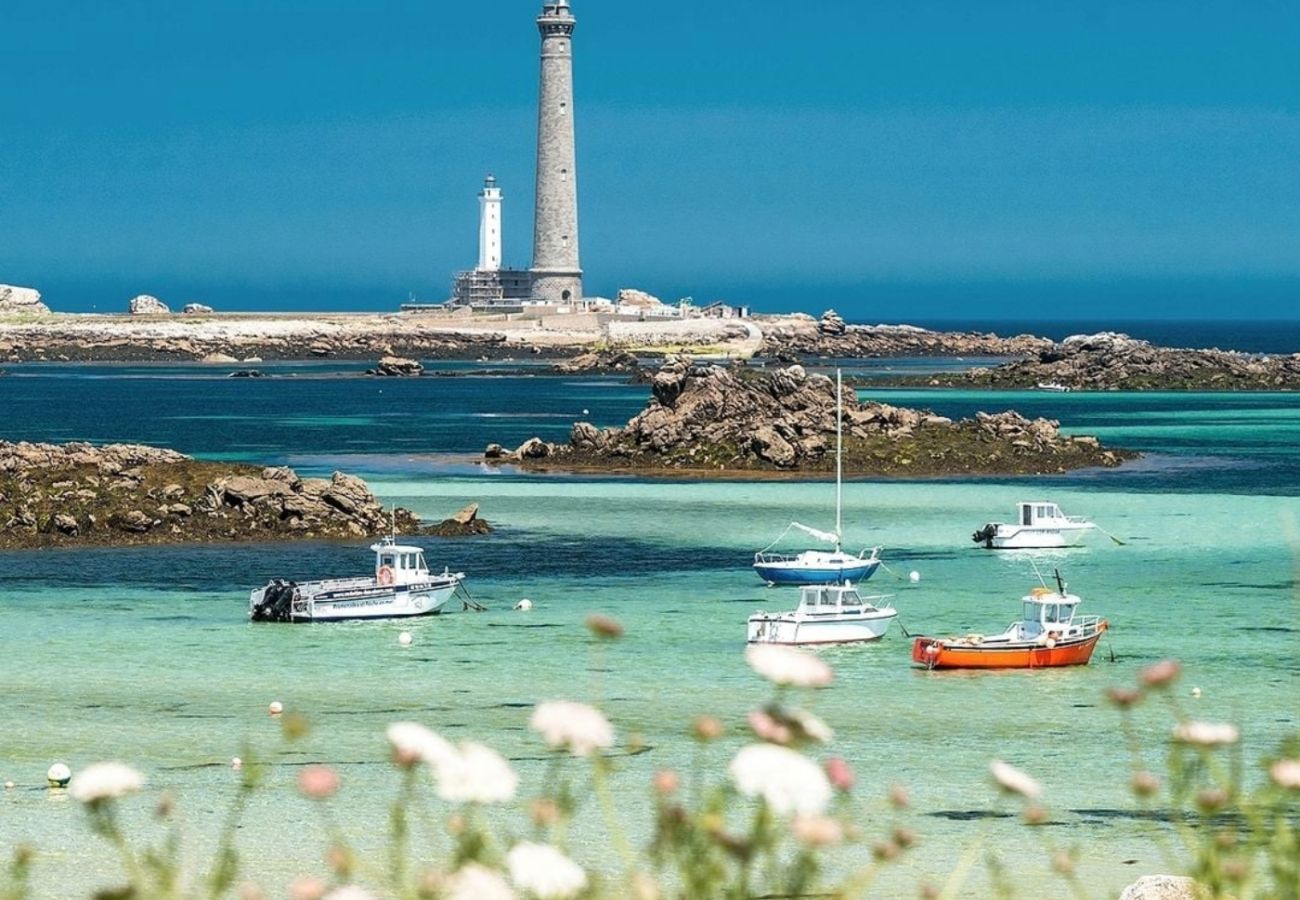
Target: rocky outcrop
{"points": [[711, 418], [464, 523], [197, 309], [20, 300], [831, 324], [600, 362], [1116, 362], [396, 367], [793, 338], [129, 494], [147, 305], [638, 299]]}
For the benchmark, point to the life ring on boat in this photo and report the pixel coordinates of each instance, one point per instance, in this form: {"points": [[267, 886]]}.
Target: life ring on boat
{"points": [[385, 575]]}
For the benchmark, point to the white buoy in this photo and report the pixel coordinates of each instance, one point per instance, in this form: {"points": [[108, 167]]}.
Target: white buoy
{"points": [[58, 775], [404, 639], [275, 708], [586, 412], [524, 605], [1196, 692], [9, 785], [915, 576], [236, 762]]}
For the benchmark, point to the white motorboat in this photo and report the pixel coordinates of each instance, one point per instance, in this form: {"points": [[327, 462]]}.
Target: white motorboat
{"points": [[821, 566], [402, 586], [1054, 386], [826, 614], [1039, 526]]}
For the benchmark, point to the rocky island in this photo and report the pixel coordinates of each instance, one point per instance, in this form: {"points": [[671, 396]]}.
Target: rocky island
{"points": [[66, 494], [797, 337], [715, 419], [1117, 362]]}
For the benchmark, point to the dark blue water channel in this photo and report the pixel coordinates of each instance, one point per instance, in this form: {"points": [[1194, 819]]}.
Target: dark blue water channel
{"points": [[315, 415]]}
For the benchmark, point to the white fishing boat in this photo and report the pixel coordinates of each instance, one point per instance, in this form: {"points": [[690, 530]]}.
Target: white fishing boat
{"points": [[1039, 526], [826, 614], [820, 566], [1054, 386], [401, 587]]}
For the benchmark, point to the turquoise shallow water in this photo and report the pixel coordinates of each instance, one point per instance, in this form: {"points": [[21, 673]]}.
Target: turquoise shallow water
{"points": [[145, 654]]}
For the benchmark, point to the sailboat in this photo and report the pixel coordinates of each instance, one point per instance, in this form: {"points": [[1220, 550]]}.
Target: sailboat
{"points": [[821, 566]]}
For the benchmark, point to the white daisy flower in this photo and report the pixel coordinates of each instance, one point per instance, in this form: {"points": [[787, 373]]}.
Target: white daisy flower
{"points": [[104, 781], [576, 727], [1014, 781], [786, 665], [475, 882], [1286, 773], [1206, 734], [544, 872], [787, 780], [475, 773], [413, 743]]}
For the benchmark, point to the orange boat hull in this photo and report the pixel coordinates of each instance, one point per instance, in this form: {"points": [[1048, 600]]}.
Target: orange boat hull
{"points": [[936, 653]]}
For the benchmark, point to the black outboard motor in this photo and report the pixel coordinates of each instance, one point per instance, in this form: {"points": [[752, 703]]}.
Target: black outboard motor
{"points": [[985, 535], [277, 602]]}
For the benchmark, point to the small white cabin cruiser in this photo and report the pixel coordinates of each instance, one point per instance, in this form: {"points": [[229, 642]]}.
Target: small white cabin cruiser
{"points": [[402, 586], [1039, 526], [1053, 386], [826, 614]]}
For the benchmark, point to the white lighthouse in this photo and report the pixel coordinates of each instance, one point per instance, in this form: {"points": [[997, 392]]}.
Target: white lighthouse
{"points": [[489, 228]]}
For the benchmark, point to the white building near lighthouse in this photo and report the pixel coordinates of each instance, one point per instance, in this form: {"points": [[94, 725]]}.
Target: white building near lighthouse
{"points": [[489, 228], [489, 285]]}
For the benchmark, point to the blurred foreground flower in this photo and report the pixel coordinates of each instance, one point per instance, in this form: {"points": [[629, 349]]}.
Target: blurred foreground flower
{"points": [[1161, 674], [840, 773], [576, 727], [787, 780], [1206, 734], [817, 831], [1014, 781], [318, 782], [544, 871], [104, 781], [350, 892], [1286, 773], [475, 882], [476, 773], [788, 666], [604, 626], [414, 744]]}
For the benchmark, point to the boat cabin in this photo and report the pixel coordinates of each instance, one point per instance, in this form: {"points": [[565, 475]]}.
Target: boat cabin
{"points": [[398, 564], [1048, 612], [1040, 513], [830, 598]]}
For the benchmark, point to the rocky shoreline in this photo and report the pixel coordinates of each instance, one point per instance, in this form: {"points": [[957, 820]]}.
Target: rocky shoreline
{"points": [[710, 419], [54, 495], [1117, 362], [798, 337]]}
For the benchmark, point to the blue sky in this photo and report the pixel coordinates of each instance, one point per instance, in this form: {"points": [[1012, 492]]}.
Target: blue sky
{"points": [[919, 160]]}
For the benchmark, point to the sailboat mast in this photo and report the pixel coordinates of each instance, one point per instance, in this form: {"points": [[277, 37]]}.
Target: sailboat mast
{"points": [[839, 456]]}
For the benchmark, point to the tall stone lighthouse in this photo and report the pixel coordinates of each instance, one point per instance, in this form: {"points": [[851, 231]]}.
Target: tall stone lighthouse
{"points": [[557, 275]]}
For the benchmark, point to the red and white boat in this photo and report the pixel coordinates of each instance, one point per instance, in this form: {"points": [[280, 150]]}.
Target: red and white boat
{"points": [[1049, 635]]}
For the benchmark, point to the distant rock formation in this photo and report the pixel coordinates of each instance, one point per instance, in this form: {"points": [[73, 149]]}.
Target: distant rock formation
{"points": [[1108, 361], [635, 298], [396, 367], [600, 361], [463, 524], [197, 309], [15, 300], [224, 359], [708, 417], [831, 323], [795, 337], [147, 305], [131, 494]]}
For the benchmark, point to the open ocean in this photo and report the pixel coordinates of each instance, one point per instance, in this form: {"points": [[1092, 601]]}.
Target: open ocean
{"points": [[146, 655]]}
